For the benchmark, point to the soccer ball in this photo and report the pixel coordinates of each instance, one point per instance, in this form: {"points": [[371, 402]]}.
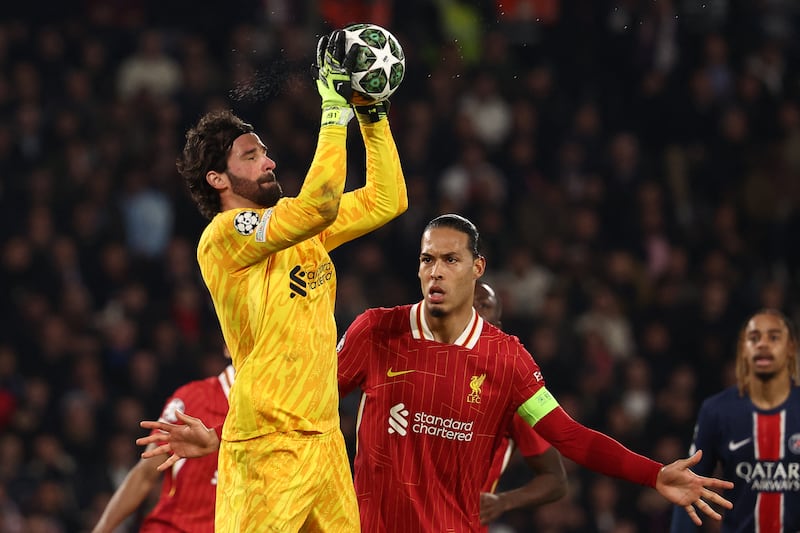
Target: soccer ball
{"points": [[380, 63]]}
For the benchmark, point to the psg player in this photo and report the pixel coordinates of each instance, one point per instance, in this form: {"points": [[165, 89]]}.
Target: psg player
{"points": [[752, 430]]}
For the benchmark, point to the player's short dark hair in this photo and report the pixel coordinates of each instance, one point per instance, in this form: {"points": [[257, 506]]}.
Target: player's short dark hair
{"points": [[206, 149], [458, 223], [742, 366]]}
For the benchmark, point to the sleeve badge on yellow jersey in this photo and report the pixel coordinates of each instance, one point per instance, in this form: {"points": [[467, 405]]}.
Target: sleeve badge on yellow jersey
{"points": [[261, 229], [246, 222]]}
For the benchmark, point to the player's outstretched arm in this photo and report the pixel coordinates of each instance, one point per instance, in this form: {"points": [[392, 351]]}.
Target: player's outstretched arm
{"points": [[548, 485], [677, 483], [131, 493], [601, 453], [190, 439]]}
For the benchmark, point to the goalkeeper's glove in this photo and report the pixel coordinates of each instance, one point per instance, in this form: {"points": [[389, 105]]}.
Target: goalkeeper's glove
{"points": [[332, 71], [372, 112]]}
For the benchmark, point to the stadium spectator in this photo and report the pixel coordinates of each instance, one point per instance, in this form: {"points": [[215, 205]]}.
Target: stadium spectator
{"points": [[149, 73]]}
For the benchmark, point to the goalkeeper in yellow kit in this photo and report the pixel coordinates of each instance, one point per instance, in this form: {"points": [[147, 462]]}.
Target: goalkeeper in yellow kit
{"points": [[282, 462]]}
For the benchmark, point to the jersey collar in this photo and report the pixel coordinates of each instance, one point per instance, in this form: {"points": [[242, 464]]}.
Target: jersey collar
{"points": [[420, 330]]}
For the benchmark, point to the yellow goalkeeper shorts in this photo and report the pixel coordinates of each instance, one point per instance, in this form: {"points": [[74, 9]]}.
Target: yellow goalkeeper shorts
{"points": [[286, 482]]}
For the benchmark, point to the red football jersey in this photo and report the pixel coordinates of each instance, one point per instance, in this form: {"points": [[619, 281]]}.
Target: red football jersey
{"points": [[188, 492], [520, 436], [432, 416]]}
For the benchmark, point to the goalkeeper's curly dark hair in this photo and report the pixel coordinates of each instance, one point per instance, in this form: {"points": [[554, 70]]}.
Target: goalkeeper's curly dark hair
{"points": [[206, 149]]}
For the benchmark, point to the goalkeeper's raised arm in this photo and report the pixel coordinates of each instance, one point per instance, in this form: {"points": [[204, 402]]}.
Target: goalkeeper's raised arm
{"points": [[384, 196], [260, 257]]}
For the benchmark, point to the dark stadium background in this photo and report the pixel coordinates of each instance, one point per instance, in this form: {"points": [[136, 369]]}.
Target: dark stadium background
{"points": [[634, 167]]}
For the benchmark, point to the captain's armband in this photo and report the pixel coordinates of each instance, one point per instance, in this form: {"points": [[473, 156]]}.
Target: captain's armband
{"points": [[537, 406]]}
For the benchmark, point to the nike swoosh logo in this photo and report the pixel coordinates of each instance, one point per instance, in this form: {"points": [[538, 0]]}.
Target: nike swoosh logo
{"points": [[733, 446], [391, 373]]}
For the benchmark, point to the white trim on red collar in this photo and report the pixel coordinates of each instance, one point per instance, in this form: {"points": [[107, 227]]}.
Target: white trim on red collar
{"points": [[420, 330], [226, 380]]}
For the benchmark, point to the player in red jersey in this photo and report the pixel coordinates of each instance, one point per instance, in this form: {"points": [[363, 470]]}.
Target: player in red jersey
{"points": [[549, 483], [188, 492], [441, 386], [550, 480]]}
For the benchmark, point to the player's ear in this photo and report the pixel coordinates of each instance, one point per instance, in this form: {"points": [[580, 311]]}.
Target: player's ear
{"points": [[479, 266], [216, 179]]}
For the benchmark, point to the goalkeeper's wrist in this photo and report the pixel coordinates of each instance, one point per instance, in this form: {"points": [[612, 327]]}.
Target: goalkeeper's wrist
{"points": [[368, 114], [336, 115]]}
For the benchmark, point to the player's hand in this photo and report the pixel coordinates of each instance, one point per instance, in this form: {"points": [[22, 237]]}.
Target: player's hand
{"points": [[190, 439], [332, 70], [491, 507], [683, 487], [372, 112]]}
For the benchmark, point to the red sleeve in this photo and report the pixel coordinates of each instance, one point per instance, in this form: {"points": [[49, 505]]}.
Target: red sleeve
{"points": [[218, 431], [596, 451], [525, 437], [353, 350]]}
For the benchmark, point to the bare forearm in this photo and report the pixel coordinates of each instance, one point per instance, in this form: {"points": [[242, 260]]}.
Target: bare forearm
{"points": [[548, 485], [543, 489], [129, 496]]}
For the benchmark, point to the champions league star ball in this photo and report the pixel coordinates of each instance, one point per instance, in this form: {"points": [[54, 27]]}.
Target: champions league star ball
{"points": [[380, 64]]}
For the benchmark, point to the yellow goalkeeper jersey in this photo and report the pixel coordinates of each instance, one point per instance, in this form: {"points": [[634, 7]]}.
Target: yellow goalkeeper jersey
{"points": [[273, 285]]}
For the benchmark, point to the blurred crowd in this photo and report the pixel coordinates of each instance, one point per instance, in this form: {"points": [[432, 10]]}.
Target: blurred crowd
{"points": [[633, 166]]}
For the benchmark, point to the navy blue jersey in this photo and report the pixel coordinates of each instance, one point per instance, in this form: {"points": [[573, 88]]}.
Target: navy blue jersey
{"points": [[759, 450]]}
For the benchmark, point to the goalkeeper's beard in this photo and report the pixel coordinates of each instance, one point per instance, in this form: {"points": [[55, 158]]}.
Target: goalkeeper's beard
{"points": [[264, 192]]}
